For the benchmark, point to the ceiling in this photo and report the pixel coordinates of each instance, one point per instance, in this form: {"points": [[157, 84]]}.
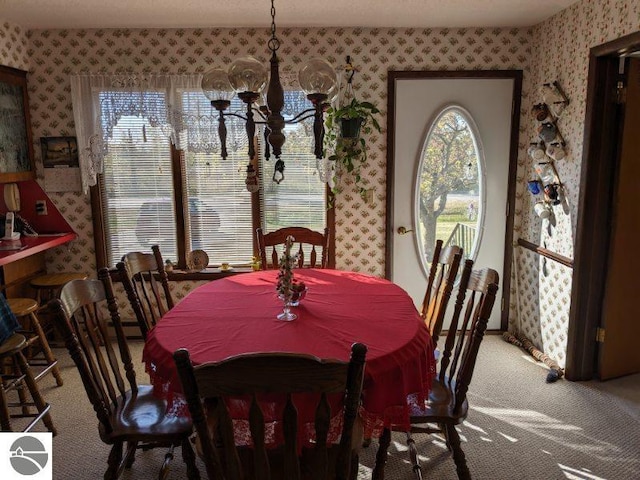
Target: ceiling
{"points": [[54, 14]]}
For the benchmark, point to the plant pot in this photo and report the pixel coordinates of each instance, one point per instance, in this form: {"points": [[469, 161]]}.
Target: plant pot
{"points": [[350, 127]]}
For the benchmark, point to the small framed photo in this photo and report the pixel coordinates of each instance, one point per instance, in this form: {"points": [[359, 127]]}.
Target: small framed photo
{"points": [[59, 152]]}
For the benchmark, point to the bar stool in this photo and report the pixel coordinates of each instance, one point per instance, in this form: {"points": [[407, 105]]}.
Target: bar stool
{"points": [[48, 286], [26, 308], [12, 348]]}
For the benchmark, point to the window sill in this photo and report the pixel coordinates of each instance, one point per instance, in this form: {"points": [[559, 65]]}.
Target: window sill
{"points": [[209, 273]]}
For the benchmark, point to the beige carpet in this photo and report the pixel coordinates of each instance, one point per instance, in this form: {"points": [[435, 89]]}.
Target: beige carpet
{"points": [[519, 427]]}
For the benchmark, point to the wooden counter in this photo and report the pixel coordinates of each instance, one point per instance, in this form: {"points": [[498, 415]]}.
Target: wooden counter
{"points": [[31, 245], [18, 267]]}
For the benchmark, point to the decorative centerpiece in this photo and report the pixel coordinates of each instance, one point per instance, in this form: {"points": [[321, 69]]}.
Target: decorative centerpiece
{"points": [[299, 292], [289, 290]]}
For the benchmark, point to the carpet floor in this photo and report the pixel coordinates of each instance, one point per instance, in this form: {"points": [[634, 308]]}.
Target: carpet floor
{"points": [[519, 427]]}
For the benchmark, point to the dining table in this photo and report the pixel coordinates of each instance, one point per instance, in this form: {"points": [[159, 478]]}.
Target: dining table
{"points": [[238, 315]]}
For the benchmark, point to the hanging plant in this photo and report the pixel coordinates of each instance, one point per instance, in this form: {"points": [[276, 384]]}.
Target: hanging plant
{"points": [[344, 140]]}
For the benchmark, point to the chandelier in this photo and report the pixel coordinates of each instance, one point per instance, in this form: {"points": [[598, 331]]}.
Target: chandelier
{"points": [[247, 78]]}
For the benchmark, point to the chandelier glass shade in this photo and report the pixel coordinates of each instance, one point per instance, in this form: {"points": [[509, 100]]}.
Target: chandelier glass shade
{"points": [[247, 78]]}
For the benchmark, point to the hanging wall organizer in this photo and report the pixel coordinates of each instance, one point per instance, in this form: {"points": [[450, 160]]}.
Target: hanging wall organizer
{"points": [[548, 148]]}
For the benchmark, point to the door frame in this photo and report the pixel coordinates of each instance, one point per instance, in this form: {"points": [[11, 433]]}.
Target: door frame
{"points": [[602, 128], [516, 75]]}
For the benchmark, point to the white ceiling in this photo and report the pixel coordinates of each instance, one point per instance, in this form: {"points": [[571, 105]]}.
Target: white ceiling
{"points": [[52, 14]]}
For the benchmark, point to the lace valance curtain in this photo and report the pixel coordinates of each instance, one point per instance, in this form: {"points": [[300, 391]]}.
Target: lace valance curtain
{"points": [[100, 101], [173, 102]]}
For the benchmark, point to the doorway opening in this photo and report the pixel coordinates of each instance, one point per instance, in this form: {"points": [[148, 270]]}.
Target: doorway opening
{"points": [[604, 124]]}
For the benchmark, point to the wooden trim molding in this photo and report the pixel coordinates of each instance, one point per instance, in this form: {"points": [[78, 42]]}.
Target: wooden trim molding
{"points": [[98, 225], [511, 198], [16, 77], [595, 205], [180, 204], [180, 275]]}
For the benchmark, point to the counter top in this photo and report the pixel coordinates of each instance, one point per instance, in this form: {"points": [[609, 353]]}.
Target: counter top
{"points": [[27, 246]]}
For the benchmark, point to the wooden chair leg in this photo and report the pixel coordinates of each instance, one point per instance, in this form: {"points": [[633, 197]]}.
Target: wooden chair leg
{"points": [[130, 455], [189, 459], [381, 455], [413, 456], [164, 470], [5, 422], [458, 455], [353, 471], [35, 393], [46, 349], [114, 462], [22, 395], [445, 434]]}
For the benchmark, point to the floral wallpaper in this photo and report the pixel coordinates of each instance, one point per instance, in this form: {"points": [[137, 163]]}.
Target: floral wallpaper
{"points": [[13, 46], [554, 50], [360, 227], [560, 48]]}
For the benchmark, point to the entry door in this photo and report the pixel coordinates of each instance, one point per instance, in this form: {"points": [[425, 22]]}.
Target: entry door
{"points": [[486, 106], [619, 353]]}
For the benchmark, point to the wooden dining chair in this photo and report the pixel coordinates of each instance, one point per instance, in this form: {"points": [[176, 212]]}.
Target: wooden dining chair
{"points": [[447, 405], [127, 412], [442, 277], [270, 247], [138, 271], [259, 374]]}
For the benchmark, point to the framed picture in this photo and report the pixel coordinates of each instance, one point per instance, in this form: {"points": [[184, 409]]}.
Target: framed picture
{"points": [[16, 148], [61, 164], [59, 152]]}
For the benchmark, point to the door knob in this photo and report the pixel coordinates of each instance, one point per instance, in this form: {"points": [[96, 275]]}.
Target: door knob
{"points": [[403, 230]]}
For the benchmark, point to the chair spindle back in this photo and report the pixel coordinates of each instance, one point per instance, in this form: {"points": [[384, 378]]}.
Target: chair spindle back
{"points": [[272, 373], [270, 257], [79, 316], [442, 277], [137, 271], [476, 297]]}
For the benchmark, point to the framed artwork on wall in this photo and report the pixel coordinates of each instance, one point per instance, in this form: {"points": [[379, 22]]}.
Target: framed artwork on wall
{"points": [[16, 148], [61, 164], [59, 152]]}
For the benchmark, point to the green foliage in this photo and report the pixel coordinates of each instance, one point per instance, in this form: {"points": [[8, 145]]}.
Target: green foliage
{"points": [[449, 152], [354, 109], [350, 153]]}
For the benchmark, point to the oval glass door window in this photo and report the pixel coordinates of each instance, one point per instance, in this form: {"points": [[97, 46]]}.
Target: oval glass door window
{"points": [[449, 200]]}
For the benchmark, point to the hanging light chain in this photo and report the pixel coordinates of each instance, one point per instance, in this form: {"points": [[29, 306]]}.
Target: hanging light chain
{"points": [[274, 43]]}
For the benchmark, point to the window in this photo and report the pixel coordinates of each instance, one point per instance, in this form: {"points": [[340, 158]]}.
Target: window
{"points": [[449, 185], [151, 193], [220, 211], [300, 199], [137, 189]]}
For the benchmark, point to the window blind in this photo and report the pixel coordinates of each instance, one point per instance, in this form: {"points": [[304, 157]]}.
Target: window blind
{"points": [[220, 213], [137, 184], [299, 201], [137, 190]]}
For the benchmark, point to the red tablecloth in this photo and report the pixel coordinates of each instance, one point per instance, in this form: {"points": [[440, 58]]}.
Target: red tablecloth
{"points": [[237, 315]]}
